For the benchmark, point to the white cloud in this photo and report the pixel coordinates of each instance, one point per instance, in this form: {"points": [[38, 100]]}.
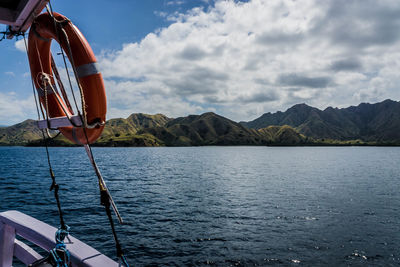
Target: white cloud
{"points": [[175, 2], [243, 59], [123, 100], [20, 45], [9, 73], [161, 14], [14, 110]]}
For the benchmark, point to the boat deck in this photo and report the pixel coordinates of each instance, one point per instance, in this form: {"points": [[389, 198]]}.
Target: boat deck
{"points": [[14, 223]]}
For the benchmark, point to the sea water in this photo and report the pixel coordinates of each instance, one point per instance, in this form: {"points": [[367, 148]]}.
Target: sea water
{"points": [[222, 206]]}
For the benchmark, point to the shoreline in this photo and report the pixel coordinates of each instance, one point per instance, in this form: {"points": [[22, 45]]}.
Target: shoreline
{"points": [[216, 145]]}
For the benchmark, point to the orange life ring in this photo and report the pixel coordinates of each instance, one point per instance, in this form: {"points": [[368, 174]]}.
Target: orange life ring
{"points": [[42, 32]]}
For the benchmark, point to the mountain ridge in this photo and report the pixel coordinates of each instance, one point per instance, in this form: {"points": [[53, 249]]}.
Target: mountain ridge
{"points": [[212, 129], [373, 124], [369, 122]]}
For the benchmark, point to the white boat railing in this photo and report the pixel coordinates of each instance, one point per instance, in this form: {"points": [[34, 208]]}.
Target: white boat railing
{"points": [[14, 223]]}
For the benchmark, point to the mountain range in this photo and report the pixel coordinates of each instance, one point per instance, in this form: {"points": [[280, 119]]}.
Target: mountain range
{"points": [[299, 125], [378, 122]]}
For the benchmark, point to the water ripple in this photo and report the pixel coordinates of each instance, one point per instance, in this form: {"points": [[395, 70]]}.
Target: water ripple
{"points": [[221, 206]]}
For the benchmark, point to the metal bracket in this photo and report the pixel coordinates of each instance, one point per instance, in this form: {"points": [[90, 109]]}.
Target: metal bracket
{"points": [[59, 122], [20, 14]]}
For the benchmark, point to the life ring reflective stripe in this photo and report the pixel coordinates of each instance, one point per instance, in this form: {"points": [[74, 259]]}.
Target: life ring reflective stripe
{"points": [[43, 31]]}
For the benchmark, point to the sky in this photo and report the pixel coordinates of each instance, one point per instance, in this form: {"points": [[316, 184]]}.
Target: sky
{"points": [[239, 59]]}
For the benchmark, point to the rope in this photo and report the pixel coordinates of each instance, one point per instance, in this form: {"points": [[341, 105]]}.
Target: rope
{"points": [[33, 85], [9, 34], [55, 21], [54, 186], [107, 201], [45, 90], [102, 184], [44, 78], [60, 255], [60, 84], [83, 115], [105, 196], [49, 85]]}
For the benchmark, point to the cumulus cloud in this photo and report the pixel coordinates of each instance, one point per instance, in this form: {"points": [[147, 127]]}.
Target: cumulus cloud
{"points": [[348, 64], [242, 59], [294, 79], [20, 45], [14, 110]]}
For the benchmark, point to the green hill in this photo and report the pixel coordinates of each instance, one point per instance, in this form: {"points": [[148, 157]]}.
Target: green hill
{"points": [[212, 129], [20, 134], [283, 135], [117, 132], [205, 129], [123, 132]]}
